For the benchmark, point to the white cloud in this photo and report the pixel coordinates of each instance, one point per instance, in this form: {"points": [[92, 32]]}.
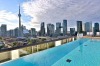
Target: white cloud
{"points": [[52, 11], [11, 19], [7, 15], [8, 18]]}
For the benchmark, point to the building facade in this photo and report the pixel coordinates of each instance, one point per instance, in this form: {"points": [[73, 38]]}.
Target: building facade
{"points": [[58, 28], [50, 30], [64, 27], [16, 32], [72, 31], [96, 28], [33, 32], [79, 27], [88, 27], [3, 30], [42, 29], [11, 33]]}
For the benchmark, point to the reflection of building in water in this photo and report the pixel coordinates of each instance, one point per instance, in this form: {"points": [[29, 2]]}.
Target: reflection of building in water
{"points": [[80, 47]]}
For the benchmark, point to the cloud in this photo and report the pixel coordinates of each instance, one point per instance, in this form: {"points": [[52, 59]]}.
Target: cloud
{"points": [[7, 15], [52, 11], [11, 19], [8, 18]]}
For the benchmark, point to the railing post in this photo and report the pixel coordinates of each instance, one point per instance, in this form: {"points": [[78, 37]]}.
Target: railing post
{"points": [[57, 43], [47, 45], [14, 54], [66, 41], [79, 35], [73, 39], [62, 41], [37, 47], [32, 49]]}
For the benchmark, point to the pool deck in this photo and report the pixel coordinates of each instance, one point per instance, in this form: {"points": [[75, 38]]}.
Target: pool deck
{"points": [[91, 37]]}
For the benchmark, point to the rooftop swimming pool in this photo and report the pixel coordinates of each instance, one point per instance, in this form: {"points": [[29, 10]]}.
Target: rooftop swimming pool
{"points": [[82, 52]]}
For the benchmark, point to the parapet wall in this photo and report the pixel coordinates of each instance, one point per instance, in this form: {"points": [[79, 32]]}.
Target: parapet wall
{"points": [[19, 52]]}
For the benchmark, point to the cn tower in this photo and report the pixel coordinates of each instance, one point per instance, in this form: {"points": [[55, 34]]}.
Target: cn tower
{"points": [[20, 28]]}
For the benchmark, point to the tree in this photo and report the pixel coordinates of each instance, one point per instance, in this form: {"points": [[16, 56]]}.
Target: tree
{"points": [[0, 38], [1, 47], [43, 39], [14, 43]]}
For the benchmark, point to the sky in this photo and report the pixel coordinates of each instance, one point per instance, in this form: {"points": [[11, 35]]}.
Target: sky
{"points": [[49, 11]]}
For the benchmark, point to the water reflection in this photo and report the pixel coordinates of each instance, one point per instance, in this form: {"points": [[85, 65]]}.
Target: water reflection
{"points": [[80, 47]]}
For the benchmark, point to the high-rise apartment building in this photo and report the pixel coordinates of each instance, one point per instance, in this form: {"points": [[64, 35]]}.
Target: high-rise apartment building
{"points": [[50, 29], [64, 27], [79, 27], [33, 32], [96, 28], [72, 31], [42, 31], [88, 27], [58, 28], [3, 30]]}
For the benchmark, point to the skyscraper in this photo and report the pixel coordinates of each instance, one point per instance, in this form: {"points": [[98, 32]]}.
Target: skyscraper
{"points": [[42, 31], [79, 27], [72, 31], [33, 32], [3, 30], [50, 30], [11, 33], [16, 32], [96, 28], [64, 27], [58, 28], [20, 28], [88, 27]]}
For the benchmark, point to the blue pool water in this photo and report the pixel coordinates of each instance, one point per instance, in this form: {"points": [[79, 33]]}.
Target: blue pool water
{"points": [[82, 52]]}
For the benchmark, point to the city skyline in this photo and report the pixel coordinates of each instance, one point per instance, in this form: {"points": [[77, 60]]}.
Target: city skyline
{"points": [[67, 26], [34, 12]]}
